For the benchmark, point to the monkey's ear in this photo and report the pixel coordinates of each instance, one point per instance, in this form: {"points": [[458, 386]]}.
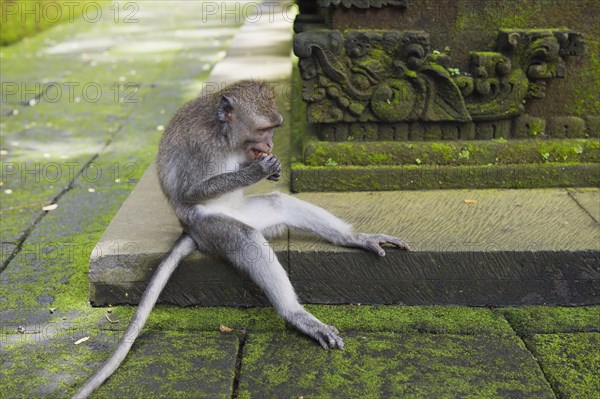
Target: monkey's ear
{"points": [[225, 109]]}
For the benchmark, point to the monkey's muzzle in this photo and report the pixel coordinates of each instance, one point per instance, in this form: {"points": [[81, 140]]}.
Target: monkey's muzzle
{"points": [[256, 153]]}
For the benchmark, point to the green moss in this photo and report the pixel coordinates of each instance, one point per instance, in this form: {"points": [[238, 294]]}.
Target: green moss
{"points": [[464, 154], [432, 319], [504, 152], [497, 15], [387, 177], [570, 362], [488, 54], [25, 18], [445, 150], [391, 364], [587, 87], [376, 60], [536, 126], [546, 319]]}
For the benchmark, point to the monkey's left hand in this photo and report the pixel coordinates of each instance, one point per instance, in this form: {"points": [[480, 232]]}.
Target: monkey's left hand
{"points": [[274, 176], [277, 175], [373, 242]]}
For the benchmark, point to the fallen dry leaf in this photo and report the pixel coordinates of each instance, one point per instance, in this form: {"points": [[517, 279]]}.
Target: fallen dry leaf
{"points": [[225, 329], [81, 340], [470, 201]]}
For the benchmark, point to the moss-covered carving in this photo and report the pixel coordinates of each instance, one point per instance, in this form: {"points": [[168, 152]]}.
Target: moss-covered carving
{"points": [[386, 79], [369, 76]]}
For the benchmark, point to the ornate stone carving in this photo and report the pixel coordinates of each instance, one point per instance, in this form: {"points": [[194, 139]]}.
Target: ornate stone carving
{"points": [[393, 77], [540, 54], [383, 76]]}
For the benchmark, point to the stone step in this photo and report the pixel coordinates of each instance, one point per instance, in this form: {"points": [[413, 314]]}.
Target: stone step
{"points": [[480, 247]]}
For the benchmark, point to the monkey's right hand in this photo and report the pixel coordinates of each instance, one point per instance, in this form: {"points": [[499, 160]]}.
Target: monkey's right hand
{"points": [[267, 166]]}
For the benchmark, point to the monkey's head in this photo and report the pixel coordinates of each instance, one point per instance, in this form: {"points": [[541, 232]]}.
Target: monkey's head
{"points": [[248, 115]]}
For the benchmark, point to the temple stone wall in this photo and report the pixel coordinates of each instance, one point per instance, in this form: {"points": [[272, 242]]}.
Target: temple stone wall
{"points": [[482, 91]]}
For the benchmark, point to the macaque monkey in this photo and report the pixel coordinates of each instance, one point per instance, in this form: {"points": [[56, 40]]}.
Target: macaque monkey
{"points": [[214, 147]]}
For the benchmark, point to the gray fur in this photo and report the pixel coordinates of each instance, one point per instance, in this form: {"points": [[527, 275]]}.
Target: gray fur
{"points": [[213, 147]]}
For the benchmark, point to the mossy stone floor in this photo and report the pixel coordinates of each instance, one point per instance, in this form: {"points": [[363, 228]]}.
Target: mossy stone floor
{"points": [[416, 352], [101, 149]]}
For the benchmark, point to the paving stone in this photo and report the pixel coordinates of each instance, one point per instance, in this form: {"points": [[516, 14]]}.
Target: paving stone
{"points": [[30, 319], [570, 362], [58, 249], [404, 319], [391, 365], [169, 364]]}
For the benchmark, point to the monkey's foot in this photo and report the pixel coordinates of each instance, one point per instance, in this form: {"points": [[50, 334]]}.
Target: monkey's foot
{"points": [[326, 335], [373, 242]]}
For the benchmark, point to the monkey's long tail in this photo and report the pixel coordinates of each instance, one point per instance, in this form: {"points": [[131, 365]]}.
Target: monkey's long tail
{"points": [[183, 247]]}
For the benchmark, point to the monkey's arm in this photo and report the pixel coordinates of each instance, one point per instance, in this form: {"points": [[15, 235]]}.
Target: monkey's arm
{"points": [[218, 185]]}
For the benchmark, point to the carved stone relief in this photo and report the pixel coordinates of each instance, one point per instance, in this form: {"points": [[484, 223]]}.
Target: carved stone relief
{"points": [[374, 85]]}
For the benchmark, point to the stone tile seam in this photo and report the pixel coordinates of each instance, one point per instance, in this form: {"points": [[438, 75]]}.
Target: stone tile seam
{"points": [[554, 389], [242, 336], [532, 354], [41, 215], [570, 193], [65, 190]]}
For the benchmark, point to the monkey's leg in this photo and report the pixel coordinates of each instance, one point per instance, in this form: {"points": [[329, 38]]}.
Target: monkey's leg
{"points": [[295, 213], [248, 250]]}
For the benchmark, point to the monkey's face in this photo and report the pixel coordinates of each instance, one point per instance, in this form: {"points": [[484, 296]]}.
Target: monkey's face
{"points": [[259, 139], [249, 112], [260, 142]]}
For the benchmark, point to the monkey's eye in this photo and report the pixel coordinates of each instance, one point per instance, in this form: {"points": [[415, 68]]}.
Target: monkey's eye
{"points": [[267, 129]]}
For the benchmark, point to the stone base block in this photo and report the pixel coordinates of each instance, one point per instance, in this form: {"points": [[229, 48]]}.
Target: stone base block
{"points": [[485, 247]]}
